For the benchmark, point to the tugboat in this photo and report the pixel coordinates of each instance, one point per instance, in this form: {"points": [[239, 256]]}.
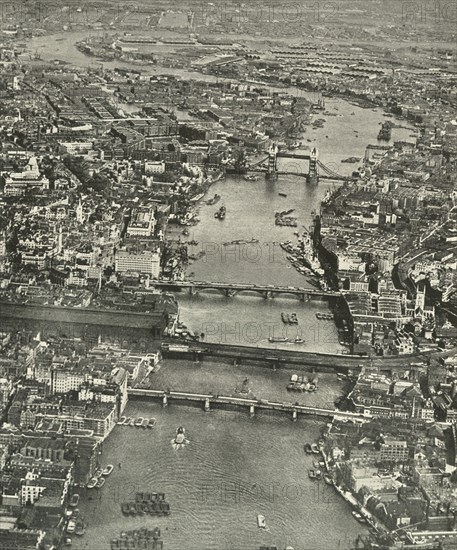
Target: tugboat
{"points": [[220, 214], [180, 440]]}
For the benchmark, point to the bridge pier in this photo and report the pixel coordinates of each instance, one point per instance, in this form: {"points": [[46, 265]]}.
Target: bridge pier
{"points": [[207, 407], [252, 411], [164, 401], [294, 416]]}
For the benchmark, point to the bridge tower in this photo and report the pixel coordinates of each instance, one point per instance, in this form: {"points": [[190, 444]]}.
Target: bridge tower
{"points": [[272, 172], [313, 176]]}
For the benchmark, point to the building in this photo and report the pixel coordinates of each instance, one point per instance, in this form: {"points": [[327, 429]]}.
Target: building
{"points": [[142, 223], [146, 262]]}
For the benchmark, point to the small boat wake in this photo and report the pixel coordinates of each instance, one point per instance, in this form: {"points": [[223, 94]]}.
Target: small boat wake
{"points": [[180, 441]]}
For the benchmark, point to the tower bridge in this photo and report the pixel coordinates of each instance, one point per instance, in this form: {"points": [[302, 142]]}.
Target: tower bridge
{"points": [[316, 169]]}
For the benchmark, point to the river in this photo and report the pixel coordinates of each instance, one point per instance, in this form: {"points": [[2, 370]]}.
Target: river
{"points": [[235, 467]]}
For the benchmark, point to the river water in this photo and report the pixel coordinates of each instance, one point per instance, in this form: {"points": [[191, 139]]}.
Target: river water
{"points": [[235, 467]]}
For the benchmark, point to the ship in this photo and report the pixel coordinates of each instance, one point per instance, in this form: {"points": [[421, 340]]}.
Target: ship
{"points": [[273, 339], [308, 252]]}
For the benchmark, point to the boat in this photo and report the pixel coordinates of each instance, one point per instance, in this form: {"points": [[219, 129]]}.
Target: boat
{"points": [[318, 475], [261, 523], [299, 340], [220, 214], [92, 483], [282, 194], [98, 473], [68, 542], [139, 421], [71, 526], [358, 517], [307, 448], [285, 318], [108, 470], [311, 474], [74, 501], [122, 420], [328, 479], [315, 448], [100, 482], [80, 528], [281, 339], [145, 423], [152, 422], [180, 439]]}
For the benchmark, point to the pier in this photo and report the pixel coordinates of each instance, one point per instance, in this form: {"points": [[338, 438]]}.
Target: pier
{"points": [[232, 289], [209, 402]]}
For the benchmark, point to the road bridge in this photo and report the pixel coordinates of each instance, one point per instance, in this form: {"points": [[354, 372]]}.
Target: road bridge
{"points": [[232, 289], [209, 401]]}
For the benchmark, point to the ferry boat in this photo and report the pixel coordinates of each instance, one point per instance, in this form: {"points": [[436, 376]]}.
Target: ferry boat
{"points": [[152, 422], [74, 501], [100, 482], [108, 470], [92, 483], [282, 339], [261, 523], [139, 421]]}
